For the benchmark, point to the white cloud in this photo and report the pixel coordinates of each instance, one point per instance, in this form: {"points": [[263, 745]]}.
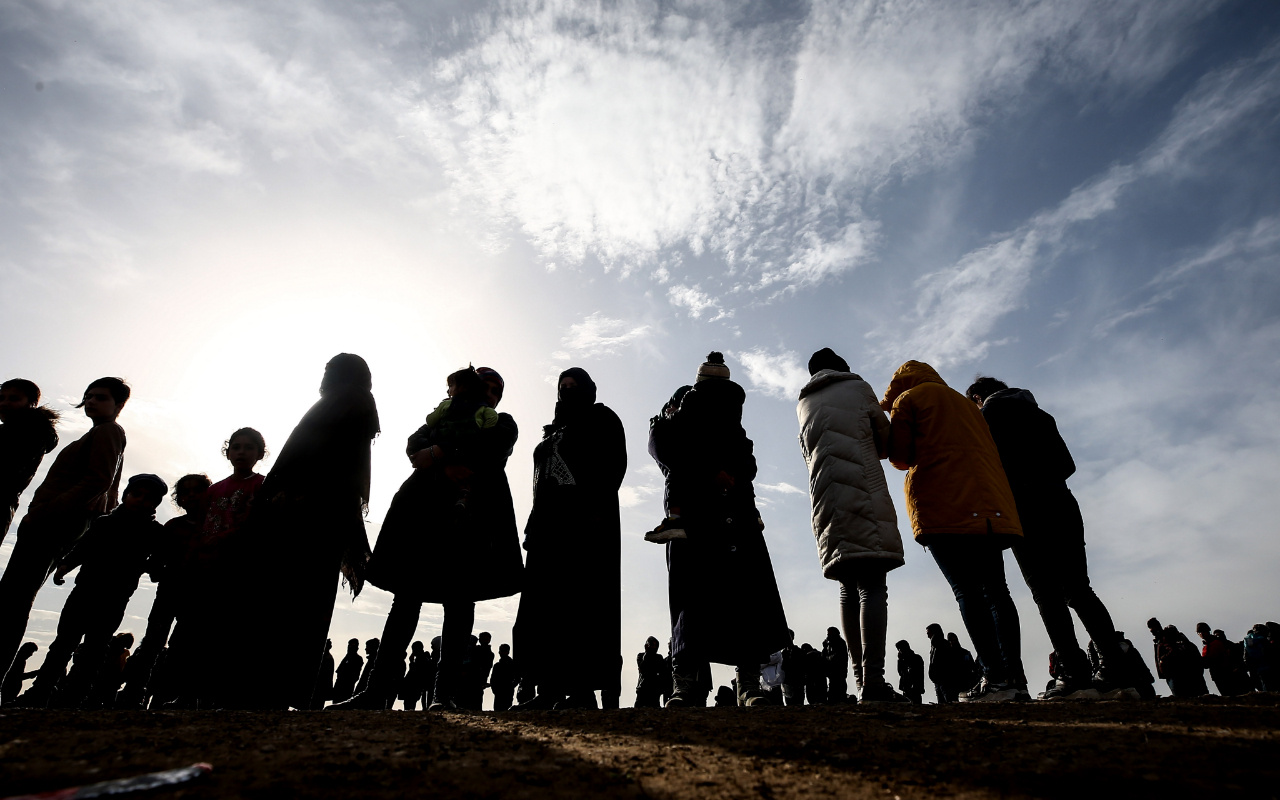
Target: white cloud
{"points": [[696, 301], [781, 487], [598, 335], [779, 375]]}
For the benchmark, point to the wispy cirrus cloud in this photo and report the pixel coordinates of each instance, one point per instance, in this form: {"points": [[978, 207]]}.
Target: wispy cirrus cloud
{"points": [[777, 374], [598, 335]]}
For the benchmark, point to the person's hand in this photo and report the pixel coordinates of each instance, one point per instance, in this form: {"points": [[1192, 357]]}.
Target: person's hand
{"points": [[723, 481], [423, 459], [60, 575]]}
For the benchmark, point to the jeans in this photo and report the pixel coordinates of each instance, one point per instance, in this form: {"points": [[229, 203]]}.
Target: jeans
{"points": [[1057, 573], [864, 615], [975, 569]]}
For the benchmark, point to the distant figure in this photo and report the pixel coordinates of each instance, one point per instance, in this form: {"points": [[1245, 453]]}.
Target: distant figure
{"points": [[481, 664], [344, 684], [574, 540], [946, 670], [170, 568], [1051, 553], [309, 517], [650, 685], [434, 655], [843, 435], [963, 511], [503, 679], [431, 549], [1225, 664], [323, 690], [815, 675], [112, 557], [794, 669], [1178, 661], [28, 431], [1260, 658], [725, 698], [723, 595], [1135, 673], [910, 673], [836, 653], [110, 673], [413, 690], [17, 673], [967, 671], [371, 649], [82, 483]]}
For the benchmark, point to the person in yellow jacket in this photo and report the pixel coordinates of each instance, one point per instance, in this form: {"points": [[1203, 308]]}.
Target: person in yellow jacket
{"points": [[963, 511]]}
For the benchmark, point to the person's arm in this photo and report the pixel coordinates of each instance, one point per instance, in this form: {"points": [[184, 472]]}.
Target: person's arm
{"points": [[901, 449], [879, 420], [106, 451]]}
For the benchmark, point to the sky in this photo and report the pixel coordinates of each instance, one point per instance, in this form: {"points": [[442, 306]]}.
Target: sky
{"points": [[1081, 198]]}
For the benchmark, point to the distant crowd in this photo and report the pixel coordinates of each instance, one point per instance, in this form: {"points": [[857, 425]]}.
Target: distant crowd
{"points": [[987, 472]]}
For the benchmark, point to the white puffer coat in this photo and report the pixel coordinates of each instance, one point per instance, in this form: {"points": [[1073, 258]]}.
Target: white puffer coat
{"points": [[843, 436]]}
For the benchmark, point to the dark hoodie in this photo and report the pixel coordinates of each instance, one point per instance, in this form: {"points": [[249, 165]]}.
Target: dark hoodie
{"points": [[25, 438], [1035, 458], [116, 550]]}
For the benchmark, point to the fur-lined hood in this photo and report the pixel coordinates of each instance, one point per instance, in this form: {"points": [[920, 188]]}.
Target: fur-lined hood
{"points": [[39, 424]]}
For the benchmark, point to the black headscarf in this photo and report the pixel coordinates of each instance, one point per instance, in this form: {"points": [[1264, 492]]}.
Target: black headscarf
{"points": [[572, 403]]}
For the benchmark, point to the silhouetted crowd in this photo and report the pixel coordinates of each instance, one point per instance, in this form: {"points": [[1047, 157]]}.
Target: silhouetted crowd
{"points": [[987, 471]]}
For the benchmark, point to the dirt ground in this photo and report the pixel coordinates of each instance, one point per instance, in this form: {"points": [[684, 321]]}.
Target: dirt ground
{"points": [[1201, 748]]}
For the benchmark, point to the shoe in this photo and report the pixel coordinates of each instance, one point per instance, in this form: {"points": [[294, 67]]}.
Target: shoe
{"points": [[687, 700], [579, 701], [1067, 688], [882, 693], [663, 533], [989, 691], [539, 702], [364, 701], [443, 704]]}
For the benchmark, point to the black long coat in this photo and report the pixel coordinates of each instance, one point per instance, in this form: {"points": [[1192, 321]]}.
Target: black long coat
{"points": [[430, 552], [724, 599], [573, 585]]}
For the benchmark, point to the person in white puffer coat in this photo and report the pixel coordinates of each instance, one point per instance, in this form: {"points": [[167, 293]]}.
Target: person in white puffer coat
{"points": [[843, 436]]}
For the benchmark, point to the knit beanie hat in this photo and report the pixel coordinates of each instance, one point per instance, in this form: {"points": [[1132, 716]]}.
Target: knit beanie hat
{"points": [[826, 358], [713, 367], [153, 482]]}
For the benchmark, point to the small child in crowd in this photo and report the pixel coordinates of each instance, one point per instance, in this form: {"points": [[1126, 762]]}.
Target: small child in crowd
{"points": [[456, 422]]}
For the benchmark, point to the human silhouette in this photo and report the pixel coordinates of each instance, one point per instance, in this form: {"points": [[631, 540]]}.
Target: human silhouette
{"points": [[650, 685], [348, 672], [1260, 658], [323, 690], [843, 435], [413, 690], [722, 593], [28, 431], [910, 672], [1225, 664], [111, 557], [478, 674], [473, 552], [836, 653], [963, 511], [17, 673], [170, 568], [573, 539], [110, 673], [815, 675], [82, 483], [503, 679], [794, 672], [308, 517], [371, 649], [947, 671]]}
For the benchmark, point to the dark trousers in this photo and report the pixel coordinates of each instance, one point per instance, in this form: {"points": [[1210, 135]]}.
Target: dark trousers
{"points": [[143, 659], [91, 615], [455, 642], [838, 688], [397, 634], [864, 616], [35, 554], [975, 569], [1057, 573], [502, 698]]}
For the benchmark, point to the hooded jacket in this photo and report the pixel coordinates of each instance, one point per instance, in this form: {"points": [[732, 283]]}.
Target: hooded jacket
{"points": [[843, 436], [25, 439], [1035, 460], [955, 482]]}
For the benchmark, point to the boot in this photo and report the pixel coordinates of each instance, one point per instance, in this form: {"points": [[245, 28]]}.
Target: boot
{"points": [[749, 690], [688, 693]]}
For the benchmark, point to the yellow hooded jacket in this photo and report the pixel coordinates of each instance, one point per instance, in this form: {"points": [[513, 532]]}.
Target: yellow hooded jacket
{"points": [[955, 482]]}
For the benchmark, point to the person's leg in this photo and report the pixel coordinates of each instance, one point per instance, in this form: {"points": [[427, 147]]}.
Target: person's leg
{"points": [[397, 633], [141, 662], [961, 564], [873, 597], [1095, 617], [1003, 612], [30, 564], [851, 612], [455, 638], [1042, 570]]}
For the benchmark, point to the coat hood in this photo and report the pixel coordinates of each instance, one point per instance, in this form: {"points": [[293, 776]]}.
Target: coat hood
{"points": [[1011, 395], [40, 423], [909, 376], [825, 377]]}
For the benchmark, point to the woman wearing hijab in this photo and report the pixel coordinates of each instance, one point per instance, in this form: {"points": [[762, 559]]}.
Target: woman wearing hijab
{"points": [[567, 634], [436, 547], [725, 606], [307, 522]]}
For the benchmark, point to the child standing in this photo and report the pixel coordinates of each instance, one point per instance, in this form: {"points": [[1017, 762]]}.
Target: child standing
{"points": [[112, 557]]}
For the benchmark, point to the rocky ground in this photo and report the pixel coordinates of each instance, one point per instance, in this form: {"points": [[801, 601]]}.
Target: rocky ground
{"points": [[1205, 748]]}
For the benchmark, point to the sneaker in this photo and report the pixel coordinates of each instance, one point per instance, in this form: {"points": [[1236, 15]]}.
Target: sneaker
{"points": [[666, 531], [443, 704], [1067, 688], [989, 691], [882, 693]]}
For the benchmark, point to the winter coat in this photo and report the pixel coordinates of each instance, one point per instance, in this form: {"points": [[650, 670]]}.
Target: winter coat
{"points": [[843, 435], [722, 592], [955, 483], [431, 550], [836, 652], [82, 483], [911, 673], [348, 673], [115, 552], [25, 438], [1037, 463], [573, 576]]}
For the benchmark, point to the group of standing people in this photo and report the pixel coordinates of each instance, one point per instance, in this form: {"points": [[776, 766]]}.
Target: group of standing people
{"points": [[986, 471]]}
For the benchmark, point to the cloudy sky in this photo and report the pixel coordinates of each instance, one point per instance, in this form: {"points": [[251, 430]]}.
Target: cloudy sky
{"points": [[1082, 198]]}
